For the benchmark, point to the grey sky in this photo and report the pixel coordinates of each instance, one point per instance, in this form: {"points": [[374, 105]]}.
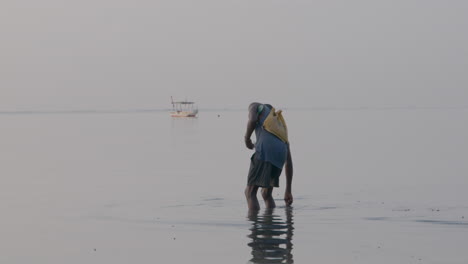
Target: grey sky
{"points": [[135, 54]]}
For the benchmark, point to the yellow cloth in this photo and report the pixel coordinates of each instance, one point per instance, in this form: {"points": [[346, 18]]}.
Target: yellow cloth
{"points": [[275, 124]]}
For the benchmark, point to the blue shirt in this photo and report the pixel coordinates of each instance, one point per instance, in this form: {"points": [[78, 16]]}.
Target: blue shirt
{"points": [[269, 147]]}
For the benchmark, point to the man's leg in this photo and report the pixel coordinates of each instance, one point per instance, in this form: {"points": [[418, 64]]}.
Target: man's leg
{"points": [[251, 195], [268, 197]]}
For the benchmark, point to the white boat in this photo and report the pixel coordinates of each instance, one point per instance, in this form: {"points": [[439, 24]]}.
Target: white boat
{"points": [[183, 109]]}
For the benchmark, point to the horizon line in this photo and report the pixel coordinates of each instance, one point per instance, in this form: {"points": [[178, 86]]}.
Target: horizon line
{"points": [[153, 110]]}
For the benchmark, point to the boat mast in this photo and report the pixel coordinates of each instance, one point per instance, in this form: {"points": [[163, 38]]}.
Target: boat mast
{"points": [[172, 101]]}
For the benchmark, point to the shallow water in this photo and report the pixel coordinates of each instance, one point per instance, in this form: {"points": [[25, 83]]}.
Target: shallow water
{"points": [[370, 186]]}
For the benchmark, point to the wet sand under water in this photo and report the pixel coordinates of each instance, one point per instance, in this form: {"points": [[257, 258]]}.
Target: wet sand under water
{"points": [[144, 188]]}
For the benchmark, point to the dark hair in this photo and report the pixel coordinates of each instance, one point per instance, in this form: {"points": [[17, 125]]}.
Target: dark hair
{"points": [[254, 104]]}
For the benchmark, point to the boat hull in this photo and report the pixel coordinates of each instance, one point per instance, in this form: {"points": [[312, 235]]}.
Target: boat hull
{"points": [[184, 114]]}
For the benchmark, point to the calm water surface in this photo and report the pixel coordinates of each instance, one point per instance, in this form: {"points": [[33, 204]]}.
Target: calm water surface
{"points": [[370, 186]]}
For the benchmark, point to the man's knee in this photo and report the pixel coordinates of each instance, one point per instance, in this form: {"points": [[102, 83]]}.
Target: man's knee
{"points": [[251, 191], [267, 193]]}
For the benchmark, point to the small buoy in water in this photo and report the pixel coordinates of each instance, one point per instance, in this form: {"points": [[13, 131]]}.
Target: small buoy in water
{"points": [[218, 115], [94, 249]]}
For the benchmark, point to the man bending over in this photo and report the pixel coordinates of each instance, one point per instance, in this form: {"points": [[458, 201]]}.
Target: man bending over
{"points": [[271, 154]]}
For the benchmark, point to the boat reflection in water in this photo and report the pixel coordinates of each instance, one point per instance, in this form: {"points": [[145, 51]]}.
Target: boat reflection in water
{"points": [[271, 236]]}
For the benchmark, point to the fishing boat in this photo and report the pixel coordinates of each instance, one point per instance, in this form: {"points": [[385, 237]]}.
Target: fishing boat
{"points": [[183, 109]]}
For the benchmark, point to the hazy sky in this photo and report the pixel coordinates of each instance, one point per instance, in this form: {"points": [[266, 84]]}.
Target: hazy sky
{"points": [[105, 54]]}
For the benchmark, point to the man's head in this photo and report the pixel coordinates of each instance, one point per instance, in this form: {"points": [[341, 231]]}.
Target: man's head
{"points": [[258, 107], [254, 106]]}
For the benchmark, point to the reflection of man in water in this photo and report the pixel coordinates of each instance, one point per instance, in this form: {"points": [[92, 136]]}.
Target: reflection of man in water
{"points": [[271, 154], [271, 237]]}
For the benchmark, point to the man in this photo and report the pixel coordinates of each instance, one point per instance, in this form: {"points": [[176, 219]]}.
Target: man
{"points": [[271, 154]]}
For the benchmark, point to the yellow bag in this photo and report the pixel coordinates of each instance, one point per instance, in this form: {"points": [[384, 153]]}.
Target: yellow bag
{"points": [[275, 124]]}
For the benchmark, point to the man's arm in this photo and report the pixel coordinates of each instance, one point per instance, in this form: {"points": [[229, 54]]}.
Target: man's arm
{"points": [[288, 198], [253, 117]]}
